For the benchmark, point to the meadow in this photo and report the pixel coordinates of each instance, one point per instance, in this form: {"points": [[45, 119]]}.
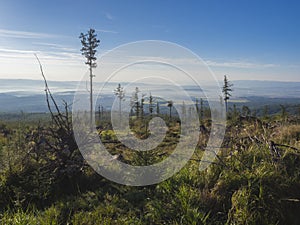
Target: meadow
{"points": [[255, 178]]}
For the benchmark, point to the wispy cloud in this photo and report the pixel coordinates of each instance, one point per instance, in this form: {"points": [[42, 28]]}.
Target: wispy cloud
{"points": [[108, 16], [107, 31], [240, 64], [25, 34], [212, 63], [56, 46], [13, 51], [50, 57]]}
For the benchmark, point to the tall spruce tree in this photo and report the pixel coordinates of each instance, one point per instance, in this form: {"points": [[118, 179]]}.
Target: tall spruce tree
{"points": [[151, 104], [89, 44], [226, 91], [134, 102], [142, 106], [120, 94]]}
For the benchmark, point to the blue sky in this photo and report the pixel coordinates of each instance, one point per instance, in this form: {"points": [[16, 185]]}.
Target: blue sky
{"points": [[243, 39]]}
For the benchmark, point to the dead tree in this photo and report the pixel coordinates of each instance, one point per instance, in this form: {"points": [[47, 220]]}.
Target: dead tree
{"points": [[59, 139]]}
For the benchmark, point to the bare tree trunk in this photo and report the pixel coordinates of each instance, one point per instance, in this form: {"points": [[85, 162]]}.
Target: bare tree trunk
{"points": [[91, 98]]}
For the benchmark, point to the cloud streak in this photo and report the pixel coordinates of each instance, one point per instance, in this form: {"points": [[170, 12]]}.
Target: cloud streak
{"points": [[240, 65], [56, 46], [211, 63], [106, 31], [49, 57], [108, 16], [25, 34]]}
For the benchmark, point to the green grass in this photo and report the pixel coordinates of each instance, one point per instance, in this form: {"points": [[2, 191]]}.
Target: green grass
{"points": [[246, 186]]}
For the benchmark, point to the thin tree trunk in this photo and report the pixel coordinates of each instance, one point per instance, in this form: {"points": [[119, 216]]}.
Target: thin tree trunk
{"points": [[120, 111], [91, 98]]}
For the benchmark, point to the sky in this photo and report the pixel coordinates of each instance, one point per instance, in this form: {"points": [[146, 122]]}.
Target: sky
{"points": [[246, 40]]}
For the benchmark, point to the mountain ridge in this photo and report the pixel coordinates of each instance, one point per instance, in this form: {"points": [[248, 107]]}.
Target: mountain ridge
{"points": [[29, 94]]}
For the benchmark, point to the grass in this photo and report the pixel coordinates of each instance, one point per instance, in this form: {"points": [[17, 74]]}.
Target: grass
{"points": [[246, 185]]}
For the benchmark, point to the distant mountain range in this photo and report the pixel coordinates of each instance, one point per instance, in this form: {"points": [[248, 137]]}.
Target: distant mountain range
{"points": [[29, 96]]}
